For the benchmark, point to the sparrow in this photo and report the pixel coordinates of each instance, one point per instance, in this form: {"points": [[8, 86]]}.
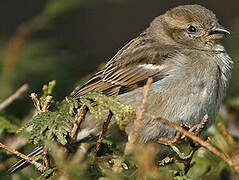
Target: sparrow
{"points": [[190, 68], [181, 52]]}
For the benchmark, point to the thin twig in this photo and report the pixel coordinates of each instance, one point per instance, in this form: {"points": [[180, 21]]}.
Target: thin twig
{"points": [[141, 110], [205, 144], [133, 135], [46, 158], [40, 109], [13, 97], [226, 133], [46, 103], [79, 117], [39, 166], [36, 102], [101, 137]]}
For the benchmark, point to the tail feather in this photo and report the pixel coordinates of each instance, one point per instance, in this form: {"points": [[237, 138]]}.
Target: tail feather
{"points": [[23, 163]]}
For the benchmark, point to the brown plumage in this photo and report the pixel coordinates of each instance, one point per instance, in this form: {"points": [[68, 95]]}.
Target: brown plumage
{"points": [[190, 68], [126, 70]]}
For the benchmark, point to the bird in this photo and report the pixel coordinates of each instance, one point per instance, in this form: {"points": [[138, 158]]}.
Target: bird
{"points": [[182, 53], [190, 68]]}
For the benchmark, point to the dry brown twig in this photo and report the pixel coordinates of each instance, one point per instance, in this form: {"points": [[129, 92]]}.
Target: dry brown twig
{"points": [[133, 135], [41, 107], [226, 133], [39, 166], [7, 102], [36, 102], [204, 144], [79, 118], [101, 137], [46, 103], [14, 96], [46, 158], [232, 118]]}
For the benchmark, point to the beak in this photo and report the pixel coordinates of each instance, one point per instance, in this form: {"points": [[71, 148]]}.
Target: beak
{"points": [[216, 34]]}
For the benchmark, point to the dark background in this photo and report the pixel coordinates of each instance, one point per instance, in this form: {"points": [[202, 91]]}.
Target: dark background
{"points": [[88, 34]]}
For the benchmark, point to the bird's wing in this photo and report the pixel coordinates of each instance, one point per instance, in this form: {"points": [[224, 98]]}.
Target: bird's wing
{"points": [[130, 68]]}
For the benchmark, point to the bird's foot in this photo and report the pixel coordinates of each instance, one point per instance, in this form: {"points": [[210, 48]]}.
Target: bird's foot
{"points": [[179, 137], [172, 143], [166, 160]]}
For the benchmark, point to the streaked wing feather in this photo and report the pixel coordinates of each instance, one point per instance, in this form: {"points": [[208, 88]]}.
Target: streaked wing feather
{"points": [[128, 69]]}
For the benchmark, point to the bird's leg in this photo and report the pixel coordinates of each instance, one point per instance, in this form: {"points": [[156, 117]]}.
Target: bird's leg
{"points": [[180, 154], [196, 130], [169, 142], [166, 160], [172, 143], [178, 137]]}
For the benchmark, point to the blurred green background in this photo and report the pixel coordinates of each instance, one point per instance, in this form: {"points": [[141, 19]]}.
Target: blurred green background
{"points": [[66, 40]]}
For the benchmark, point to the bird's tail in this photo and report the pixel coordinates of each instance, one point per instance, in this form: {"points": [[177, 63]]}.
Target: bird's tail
{"points": [[23, 163]]}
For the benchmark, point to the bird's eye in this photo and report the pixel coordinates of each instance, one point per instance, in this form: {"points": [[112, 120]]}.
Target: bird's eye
{"points": [[192, 29]]}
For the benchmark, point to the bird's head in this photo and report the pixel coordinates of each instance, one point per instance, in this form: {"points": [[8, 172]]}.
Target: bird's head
{"points": [[193, 26]]}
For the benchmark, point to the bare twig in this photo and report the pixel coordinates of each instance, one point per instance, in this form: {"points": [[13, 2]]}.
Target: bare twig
{"points": [[101, 137], [79, 117], [39, 166], [36, 102], [226, 133], [46, 103], [232, 117], [13, 97], [43, 107], [232, 129], [133, 135], [141, 110], [205, 144], [46, 158]]}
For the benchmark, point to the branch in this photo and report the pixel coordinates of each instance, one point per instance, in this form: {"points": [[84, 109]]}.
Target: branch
{"points": [[13, 97], [39, 166], [101, 137], [226, 133], [41, 107], [204, 144], [46, 158], [79, 117], [133, 135]]}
